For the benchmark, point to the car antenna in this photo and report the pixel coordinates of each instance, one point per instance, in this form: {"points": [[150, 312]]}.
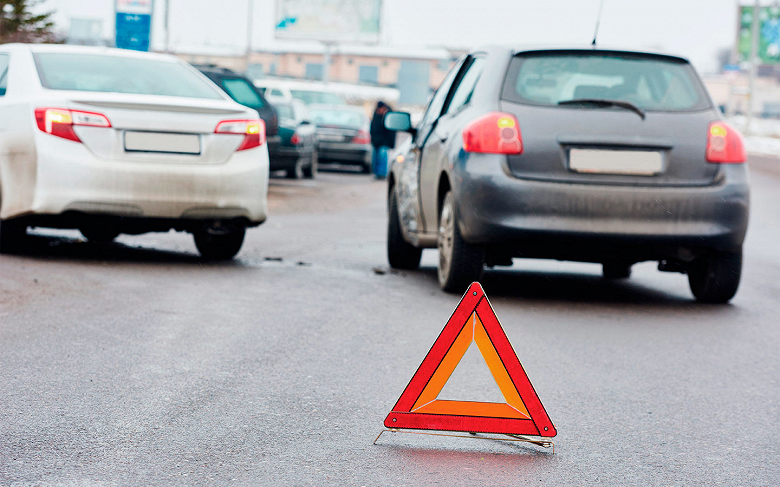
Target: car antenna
{"points": [[598, 21]]}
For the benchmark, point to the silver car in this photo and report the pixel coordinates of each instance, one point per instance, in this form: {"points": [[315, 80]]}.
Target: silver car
{"points": [[112, 141]]}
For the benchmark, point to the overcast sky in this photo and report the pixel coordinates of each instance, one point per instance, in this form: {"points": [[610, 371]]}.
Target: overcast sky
{"points": [[693, 28]]}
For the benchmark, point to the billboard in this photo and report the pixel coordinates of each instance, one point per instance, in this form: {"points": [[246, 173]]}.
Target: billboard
{"points": [[768, 34], [134, 24], [348, 21]]}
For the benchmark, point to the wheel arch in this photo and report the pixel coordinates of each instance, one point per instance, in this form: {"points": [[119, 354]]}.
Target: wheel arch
{"points": [[441, 191]]}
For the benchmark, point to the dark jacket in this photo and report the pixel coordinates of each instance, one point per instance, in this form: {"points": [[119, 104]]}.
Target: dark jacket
{"points": [[381, 136]]}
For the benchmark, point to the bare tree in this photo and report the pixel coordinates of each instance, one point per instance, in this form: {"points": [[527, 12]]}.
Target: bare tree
{"points": [[19, 24]]}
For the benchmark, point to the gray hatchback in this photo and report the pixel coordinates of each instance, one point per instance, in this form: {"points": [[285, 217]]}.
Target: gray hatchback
{"points": [[591, 155]]}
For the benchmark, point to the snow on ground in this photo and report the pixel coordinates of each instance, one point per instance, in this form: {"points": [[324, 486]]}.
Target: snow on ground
{"points": [[764, 135]]}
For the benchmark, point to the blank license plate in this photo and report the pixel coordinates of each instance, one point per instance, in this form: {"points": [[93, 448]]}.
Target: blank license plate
{"points": [[641, 163], [162, 142], [332, 138]]}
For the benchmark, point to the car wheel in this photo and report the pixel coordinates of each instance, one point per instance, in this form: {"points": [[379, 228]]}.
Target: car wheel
{"points": [[310, 172], [616, 270], [219, 246], [99, 235], [460, 263], [714, 278], [295, 172], [12, 235], [366, 168], [400, 253]]}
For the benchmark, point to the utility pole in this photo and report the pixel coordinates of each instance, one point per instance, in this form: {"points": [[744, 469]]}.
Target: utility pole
{"points": [[250, 5], [326, 57], [165, 26], [753, 64]]}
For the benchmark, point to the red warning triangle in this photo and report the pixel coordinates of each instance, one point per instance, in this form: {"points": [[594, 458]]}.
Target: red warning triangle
{"points": [[472, 321]]}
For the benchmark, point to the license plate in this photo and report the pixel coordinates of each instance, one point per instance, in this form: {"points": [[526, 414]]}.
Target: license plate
{"points": [[162, 142], [332, 138], [635, 163]]}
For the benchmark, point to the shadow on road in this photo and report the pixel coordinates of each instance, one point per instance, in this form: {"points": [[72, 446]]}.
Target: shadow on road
{"points": [[568, 287], [47, 246]]}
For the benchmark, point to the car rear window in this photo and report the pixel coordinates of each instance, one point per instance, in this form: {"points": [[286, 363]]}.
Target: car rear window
{"points": [[243, 92], [340, 118], [311, 97], [285, 112], [3, 73], [120, 74], [653, 83]]}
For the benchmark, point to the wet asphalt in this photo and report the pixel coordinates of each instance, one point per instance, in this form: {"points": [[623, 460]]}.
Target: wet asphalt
{"points": [[137, 363]]}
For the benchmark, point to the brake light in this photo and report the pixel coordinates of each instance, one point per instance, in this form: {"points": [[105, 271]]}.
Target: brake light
{"points": [[362, 137], [494, 133], [295, 139], [60, 121], [252, 130], [724, 144]]}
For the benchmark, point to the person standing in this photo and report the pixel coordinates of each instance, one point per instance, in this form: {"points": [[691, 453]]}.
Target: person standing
{"points": [[382, 139]]}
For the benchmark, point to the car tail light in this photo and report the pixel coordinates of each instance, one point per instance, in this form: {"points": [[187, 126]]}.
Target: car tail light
{"points": [[252, 130], [295, 139], [60, 121], [724, 144], [362, 137], [494, 133]]}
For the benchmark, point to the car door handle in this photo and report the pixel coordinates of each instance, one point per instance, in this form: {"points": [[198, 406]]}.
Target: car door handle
{"points": [[444, 137]]}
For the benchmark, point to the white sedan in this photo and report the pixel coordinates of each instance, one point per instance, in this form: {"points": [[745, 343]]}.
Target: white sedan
{"points": [[111, 141]]}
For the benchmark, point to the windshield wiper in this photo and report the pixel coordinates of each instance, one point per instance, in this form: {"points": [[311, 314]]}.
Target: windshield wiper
{"points": [[605, 103]]}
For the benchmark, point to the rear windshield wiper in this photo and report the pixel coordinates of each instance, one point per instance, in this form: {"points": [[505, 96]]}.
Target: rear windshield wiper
{"points": [[605, 103]]}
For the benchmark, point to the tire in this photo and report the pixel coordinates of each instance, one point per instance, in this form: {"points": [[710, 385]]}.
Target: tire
{"points": [[99, 235], [714, 278], [12, 236], [366, 168], [460, 263], [219, 246], [295, 172], [310, 172], [615, 270], [400, 253]]}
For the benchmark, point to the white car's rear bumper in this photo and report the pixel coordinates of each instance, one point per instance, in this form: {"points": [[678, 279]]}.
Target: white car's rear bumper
{"points": [[69, 177]]}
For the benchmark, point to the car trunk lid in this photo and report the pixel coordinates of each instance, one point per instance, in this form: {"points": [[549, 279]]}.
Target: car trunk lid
{"points": [[612, 146], [147, 128]]}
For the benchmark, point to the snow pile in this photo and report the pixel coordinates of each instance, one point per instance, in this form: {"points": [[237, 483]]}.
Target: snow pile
{"points": [[764, 135]]}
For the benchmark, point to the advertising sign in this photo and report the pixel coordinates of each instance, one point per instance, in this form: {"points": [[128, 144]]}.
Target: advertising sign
{"points": [[134, 24], [768, 34], [355, 21]]}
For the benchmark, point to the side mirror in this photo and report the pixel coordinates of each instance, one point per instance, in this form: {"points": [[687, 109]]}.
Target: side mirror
{"points": [[398, 121]]}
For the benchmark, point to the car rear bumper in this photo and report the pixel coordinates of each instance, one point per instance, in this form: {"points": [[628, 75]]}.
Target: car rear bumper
{"points": [[560, 219], [71, 179], [344, 153], [285, 157]]}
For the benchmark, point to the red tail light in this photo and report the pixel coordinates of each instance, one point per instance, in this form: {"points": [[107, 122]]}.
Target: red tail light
{"points": [[362, 137], [295, 139], [724, 144], [60, 121], [494, 133], [252, 130]]}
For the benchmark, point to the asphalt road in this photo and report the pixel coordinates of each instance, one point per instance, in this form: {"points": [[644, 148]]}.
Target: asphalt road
{"points": [[136, 363]]}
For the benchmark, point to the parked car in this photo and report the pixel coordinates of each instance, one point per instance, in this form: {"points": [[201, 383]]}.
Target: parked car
{"points": [[282, 90], [113, 141], [342, 135], [241, 89], [296, 153], [605, 156]]}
